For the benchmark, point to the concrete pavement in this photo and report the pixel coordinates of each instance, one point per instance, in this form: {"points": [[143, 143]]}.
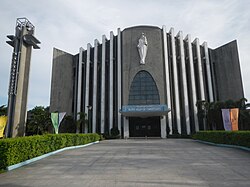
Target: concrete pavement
{"points": [[137, 162]]}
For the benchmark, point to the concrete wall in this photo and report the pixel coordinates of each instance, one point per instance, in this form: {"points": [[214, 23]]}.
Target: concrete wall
{"points": [[227, 71], [131, 60], [62, 82]]}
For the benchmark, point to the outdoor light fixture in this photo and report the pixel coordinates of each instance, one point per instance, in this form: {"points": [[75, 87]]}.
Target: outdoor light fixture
{"points": [[89, 107], [89, 117]]}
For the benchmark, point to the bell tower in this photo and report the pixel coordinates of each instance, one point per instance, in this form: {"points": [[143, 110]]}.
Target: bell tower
{"points": [[22, 43]]}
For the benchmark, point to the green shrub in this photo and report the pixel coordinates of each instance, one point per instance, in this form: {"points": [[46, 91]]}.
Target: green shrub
{"points": [[114, 134], [16, 150], [240, 138], [114, 131]]}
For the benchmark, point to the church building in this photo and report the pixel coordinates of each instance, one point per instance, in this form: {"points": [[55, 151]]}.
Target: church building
{"points": [[145, 81]]}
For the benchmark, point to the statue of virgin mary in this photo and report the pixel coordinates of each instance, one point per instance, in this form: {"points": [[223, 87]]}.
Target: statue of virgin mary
{"points": [[142, 48]]}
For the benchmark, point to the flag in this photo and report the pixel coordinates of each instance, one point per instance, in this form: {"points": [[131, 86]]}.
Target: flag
{"points": [[54, 119], [61, 116], [226, 119], [234, 113], [3, 122]]}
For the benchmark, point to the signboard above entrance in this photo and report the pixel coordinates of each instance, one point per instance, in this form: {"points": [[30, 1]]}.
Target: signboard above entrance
{"points": [[144, 110]]}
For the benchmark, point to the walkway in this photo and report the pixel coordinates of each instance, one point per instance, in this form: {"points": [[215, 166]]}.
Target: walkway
{"points": [[138, 162]]}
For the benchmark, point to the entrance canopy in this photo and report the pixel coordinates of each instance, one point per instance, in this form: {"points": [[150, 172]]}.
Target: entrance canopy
{"points": [[144, 110]]}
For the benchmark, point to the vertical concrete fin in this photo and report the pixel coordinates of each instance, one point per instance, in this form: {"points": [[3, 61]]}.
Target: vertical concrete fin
{"points": [[184, 82], [111, 80], [176, 86], [86, 109], [94, 107], [200, 70], [79, 86], [167, 79], [103, 83], [209, 76], [193, 87], [119, 78]]}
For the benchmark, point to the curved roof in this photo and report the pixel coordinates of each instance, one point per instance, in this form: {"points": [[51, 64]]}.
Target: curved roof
{"points": [[141, 26]]}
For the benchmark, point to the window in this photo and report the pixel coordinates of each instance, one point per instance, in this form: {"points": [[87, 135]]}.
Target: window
{"points": [[143, 90]]}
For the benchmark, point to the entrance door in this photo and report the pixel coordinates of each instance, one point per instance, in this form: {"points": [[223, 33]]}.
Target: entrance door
{"points": [[142, 127]]}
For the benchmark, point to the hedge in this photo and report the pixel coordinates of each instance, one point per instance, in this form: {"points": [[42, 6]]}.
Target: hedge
{"points": [[16, 150], [239, 138]]}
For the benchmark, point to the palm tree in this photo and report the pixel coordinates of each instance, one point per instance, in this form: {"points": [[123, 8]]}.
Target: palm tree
{"points": [[3, 110], [81, 122]]}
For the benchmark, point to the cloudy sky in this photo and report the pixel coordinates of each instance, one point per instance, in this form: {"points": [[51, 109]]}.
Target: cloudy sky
{"points": [[70, 24]]}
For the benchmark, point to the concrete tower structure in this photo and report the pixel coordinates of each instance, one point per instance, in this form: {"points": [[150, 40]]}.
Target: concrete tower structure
{"points": [[132, 80], [22, 43]]}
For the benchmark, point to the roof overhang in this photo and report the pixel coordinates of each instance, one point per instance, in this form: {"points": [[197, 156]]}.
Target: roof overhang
{"points": [[144, 110]]}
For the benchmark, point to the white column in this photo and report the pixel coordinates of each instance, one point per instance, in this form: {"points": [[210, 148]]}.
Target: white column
{"points": [[103, 84], [94, 107], [126, 127], [209, 76], [79, 86], [111, 80], [184, 82], [176, 87], [119, 77], [167, 80], [86, 110], [163, 127], [191, 66], [197, 45], [201, 74]]}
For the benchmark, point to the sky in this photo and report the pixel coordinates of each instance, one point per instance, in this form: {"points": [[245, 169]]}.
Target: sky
{"points": [[71, 24]]}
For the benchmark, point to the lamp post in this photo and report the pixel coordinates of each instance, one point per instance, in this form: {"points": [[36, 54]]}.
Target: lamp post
{"points": [[89, 118], [204, 110]]}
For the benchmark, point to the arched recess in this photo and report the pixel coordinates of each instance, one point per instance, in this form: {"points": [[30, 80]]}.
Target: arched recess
{"points": [[143, 90]]}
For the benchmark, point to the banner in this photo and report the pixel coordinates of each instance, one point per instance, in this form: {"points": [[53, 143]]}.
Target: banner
{"points": [[234, 113], [61, 116], [3, 122], [226, 119], [54, 119]]}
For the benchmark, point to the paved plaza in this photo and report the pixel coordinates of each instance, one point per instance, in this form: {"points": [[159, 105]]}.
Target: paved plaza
{"points": [[137, 162]]}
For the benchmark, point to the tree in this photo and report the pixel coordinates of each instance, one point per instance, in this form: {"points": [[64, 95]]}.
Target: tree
{"points": [[3, 110], [38, 121], [81, 122], [214, 116], [68, 125]]}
